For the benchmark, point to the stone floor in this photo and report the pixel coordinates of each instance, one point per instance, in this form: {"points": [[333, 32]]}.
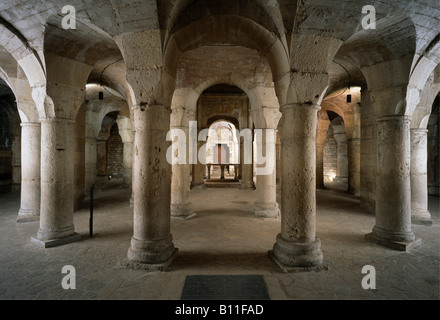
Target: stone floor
{"points": [[223, 238]]}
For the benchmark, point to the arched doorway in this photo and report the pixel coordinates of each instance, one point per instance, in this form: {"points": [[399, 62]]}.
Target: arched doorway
{"points": [[222, 151], [223, 110]]}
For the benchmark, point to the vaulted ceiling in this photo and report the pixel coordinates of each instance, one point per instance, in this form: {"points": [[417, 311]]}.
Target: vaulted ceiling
{"points": [[410, 26]]}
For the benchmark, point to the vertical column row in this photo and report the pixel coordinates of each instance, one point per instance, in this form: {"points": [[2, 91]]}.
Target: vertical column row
{"points": [[297, 245], [151, 245], [30, 172], [57, 175]]}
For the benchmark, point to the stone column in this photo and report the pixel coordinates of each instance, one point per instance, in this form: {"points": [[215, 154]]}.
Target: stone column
{"points": [[297, 246], [341, 138], [321, 134], [151, 247], [16, 163], [133, 177], [90, 163], [266, 205], [278, 161], [127, 161], [198, 170], [126, 133], [57, 179], [393, 190], [354, 166], [419, 177], [30, 172], [180, 185], [247, 179]]}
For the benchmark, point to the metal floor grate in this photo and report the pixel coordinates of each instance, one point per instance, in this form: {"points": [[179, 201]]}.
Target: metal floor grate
{"points": [[225, 287]]}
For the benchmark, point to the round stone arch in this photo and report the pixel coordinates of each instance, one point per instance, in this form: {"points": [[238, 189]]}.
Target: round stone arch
{"points": [[252, 94], [248, 33], [428, 94]]}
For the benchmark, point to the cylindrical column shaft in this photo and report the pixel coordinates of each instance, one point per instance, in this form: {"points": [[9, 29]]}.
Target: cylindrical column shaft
{"points": [[152, 241], [180, 185], [133, 177], [247, 179], [57, 178], [354, 166], [297, 245], [266, 204], [30, 172], [127, 164], [90, 165], [198, 170], [341, 138], [320, 165], [419, 177], [393, 190]]}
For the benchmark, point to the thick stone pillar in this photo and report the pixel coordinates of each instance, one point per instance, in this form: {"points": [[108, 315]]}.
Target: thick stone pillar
{"points": [[151, 247], [278, 160], [133, 177], [180, 185], [90, 163], [247, 177], [393, 190], [419, 177], [354, 166], [297, 246], [127, 163], [341, 138], [198, 170], [16, 163], [30, 172], [321, 134], [57, 183], [266, 205], [126, 133]]}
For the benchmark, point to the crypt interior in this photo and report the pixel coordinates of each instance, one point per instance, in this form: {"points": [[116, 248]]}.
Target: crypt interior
{"points": [[347, 118]]}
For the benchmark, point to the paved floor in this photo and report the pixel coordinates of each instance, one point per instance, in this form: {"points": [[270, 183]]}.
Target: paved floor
{"points": [[223, 238]]}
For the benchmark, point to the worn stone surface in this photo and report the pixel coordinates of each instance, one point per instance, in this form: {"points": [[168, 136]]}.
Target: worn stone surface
{"points": [[216, 241], [288, 58]]}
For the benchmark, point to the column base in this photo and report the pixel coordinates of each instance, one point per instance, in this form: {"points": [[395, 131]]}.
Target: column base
{"points": [[266, 210], [422, 218], [27, 216], [198, 186], [288, 269], [402, 241], [50, 243], [249, 185], [152, 267], [297, 256], [150, 254], [181, 210]]}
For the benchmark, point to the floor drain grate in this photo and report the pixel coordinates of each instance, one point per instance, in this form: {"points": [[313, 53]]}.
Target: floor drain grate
{"points": [[225, 287]]}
